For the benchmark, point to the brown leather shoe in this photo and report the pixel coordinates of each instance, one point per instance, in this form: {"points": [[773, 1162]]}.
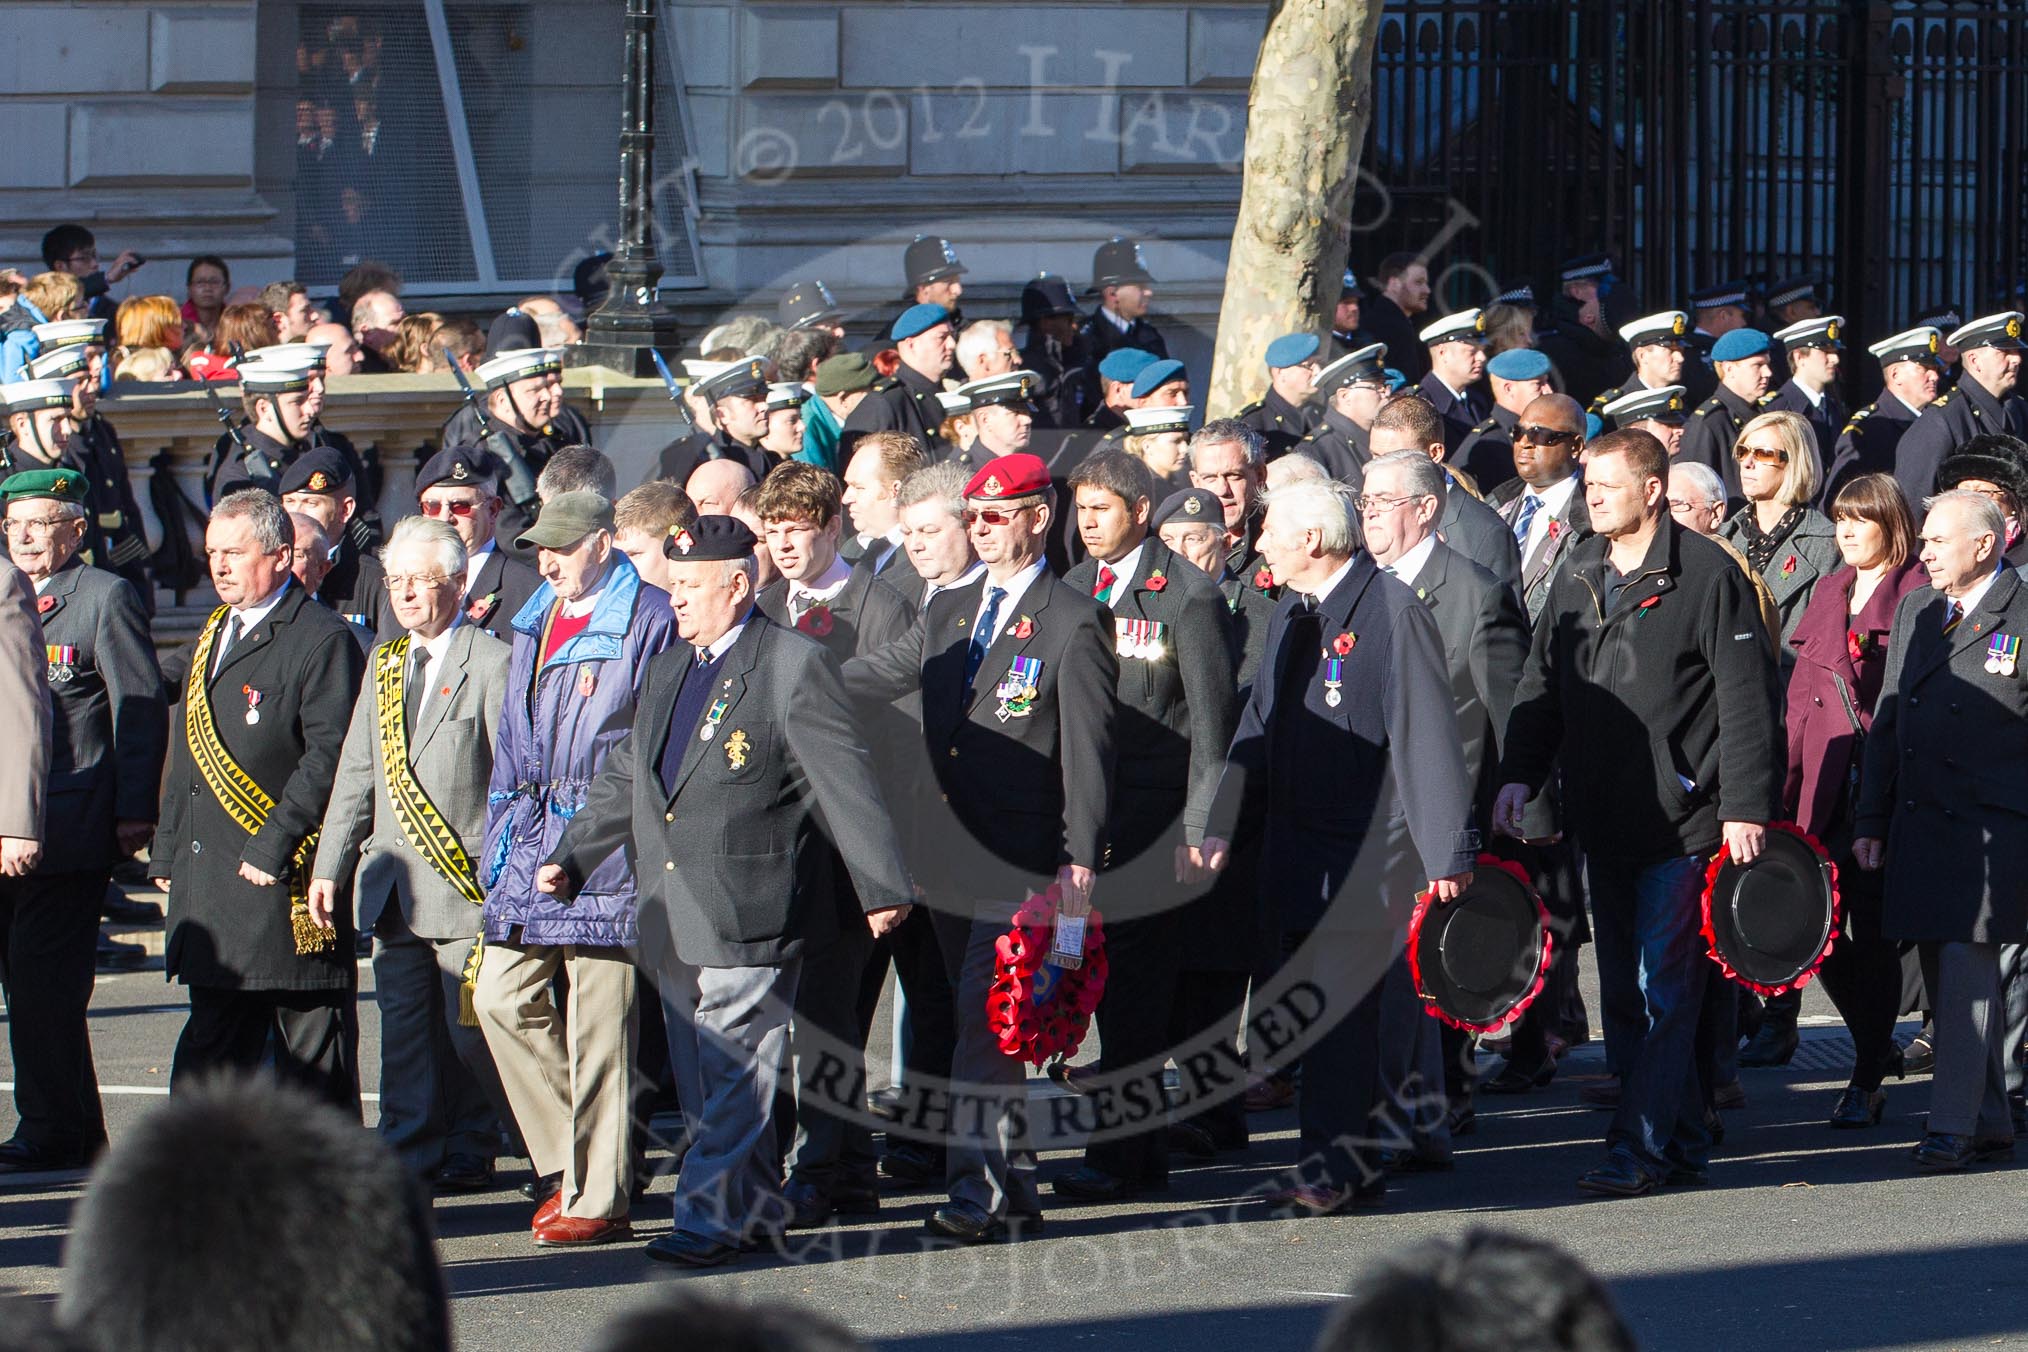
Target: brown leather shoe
{"points": [[551, 1208], [560, 1232]]}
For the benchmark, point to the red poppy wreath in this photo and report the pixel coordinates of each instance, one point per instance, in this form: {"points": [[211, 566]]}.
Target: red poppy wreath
{"points": [[1035, 1009]]}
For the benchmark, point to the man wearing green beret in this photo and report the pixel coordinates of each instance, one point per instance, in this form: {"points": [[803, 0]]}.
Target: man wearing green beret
{"points": [[110, 732]]}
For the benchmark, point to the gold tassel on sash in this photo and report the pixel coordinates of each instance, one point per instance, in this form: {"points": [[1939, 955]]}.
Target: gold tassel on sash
{"points": [[243, 800], [421, 823]]}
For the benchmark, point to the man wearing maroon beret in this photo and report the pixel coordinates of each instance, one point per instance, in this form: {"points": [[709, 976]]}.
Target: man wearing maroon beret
{"points": [[1016, 673]]}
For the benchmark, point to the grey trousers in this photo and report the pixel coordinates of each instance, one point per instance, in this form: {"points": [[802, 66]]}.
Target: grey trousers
{"points": [[728, 1044], [1968, 1092], [440, 1094], [987, 1159]]}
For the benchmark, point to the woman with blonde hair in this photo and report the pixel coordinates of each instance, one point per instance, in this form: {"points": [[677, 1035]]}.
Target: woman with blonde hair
{"points": [[414, 346], [1158, 438], [1789, 543], [48, 297]]}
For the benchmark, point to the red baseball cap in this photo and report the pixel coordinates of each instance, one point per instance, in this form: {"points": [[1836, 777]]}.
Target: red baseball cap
{"points": [[1009, 476]]}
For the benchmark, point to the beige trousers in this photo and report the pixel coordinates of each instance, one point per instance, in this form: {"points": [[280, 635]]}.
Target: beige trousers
{"points": [[567, 1073]]}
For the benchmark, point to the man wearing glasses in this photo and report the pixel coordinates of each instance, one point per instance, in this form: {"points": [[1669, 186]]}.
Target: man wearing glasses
{"points": [[1016, 672], [1284, 416], [460, 486], [419, 752], [75, 250]]}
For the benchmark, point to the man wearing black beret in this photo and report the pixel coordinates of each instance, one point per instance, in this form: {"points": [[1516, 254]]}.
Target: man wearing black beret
{"points": [[319, 486]]}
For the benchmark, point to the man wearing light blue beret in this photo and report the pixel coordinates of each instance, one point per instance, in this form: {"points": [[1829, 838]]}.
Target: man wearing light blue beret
{"points": [[1740, 357], [1284, 415]]}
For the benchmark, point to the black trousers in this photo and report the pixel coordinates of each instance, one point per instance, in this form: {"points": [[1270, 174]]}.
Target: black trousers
{"points": [[1559, 1005], [829, 1145], [1133, 1027], [49, 929], [1862, 975], [1207, 1009], [313, 1037]]}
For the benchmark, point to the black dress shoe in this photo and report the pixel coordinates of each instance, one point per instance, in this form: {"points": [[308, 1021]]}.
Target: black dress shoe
{"points": [[19, 1157], [1686, 1176], [1858, 1108], [687, 1250], [1086, 1184], [1515, 1079], [1943, 1153], [542, 1187], [809, 1206], [1919, 1056], [120, 911], [1620, 1176], [1462, 1120], [463, 1173], [116, 955], [1411, 1160], [968, 1224], [1729, 1096], [911, 1163], [1773, 1045], [1605, 1094], [1187, 1138]]}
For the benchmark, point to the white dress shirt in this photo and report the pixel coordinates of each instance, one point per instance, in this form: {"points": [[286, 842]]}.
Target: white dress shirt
{"points": [[250, 616], [1123, 573], [1016, 587], [1554, 498], [1410, 565]]}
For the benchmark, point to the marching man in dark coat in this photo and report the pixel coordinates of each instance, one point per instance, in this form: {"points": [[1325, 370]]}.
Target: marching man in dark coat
{"points": [[111, 730], [1940, 807], [1353, 693], [1176, 711], [266, 698], [743, 783], [1651, 679], [1016, 673]]}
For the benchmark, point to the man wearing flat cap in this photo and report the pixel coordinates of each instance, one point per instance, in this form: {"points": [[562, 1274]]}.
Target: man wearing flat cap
{"points": [[1740, 357], [1457, 358], [581, 650], [1016, 673], [461, 485], [356, 586], [1983, 400], [267, 693], [105, 760], [1284, 415], [744, 737], [842, 384], [924, 338], [1518, 377]]}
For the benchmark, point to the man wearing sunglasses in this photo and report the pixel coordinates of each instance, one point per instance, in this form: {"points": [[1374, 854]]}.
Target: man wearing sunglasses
{"points": [[1544, 504], [1017, 675], [1350, 390], [1744, 372], [460, 485], [1518, 377]]}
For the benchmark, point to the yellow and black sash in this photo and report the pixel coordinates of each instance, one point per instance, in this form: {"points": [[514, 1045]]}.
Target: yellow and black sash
{"points": [[421, 824], [243, 800]]}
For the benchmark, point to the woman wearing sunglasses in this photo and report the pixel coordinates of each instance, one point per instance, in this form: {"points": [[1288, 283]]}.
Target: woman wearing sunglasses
{"points": [[1790, 543]]}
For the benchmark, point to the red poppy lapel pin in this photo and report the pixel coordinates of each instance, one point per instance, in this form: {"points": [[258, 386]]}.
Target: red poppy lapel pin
{"points": [[1263, 578], [1024, 629], [1788, 565], [1156, 581], [44, 604], [1345, 643]]}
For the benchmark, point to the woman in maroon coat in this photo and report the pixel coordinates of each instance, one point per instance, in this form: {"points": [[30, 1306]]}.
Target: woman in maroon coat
{"points": [[1840, 648]]}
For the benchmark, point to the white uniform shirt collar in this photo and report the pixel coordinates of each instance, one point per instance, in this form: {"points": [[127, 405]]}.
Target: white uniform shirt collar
{"points": [[1410, 565], [1123, 572]]}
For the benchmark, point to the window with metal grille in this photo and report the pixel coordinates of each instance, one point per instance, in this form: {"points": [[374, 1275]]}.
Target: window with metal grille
{"points": [[435, 136]]}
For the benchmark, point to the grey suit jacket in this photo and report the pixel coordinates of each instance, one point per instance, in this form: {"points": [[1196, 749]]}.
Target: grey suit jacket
{"points": [[1476, 531], [24, 707], [1485, 646], [451, 750]]}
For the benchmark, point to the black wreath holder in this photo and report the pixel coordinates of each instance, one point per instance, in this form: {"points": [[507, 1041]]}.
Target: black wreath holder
{"points": [[1480, 961], [1770, 924]]}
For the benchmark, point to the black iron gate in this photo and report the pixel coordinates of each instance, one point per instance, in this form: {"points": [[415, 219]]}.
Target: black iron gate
{"points": [[1878, 143]]}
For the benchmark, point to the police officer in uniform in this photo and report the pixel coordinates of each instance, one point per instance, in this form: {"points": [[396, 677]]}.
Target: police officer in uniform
{"points": [[1457, 358], [1050, 315], [924, 338], [1124, 287], [1284, 415], [1350, 390], [1741, 360], [356, 586], [810, 305], [1660, 346], [933, 271], [75, 350], [1345, 319], [1912, 371], [1814, 348], [110, 733], [1519, 376], [1575, 331], [1983, 401]]}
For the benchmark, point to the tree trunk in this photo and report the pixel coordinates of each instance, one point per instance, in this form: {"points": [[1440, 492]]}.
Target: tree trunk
{"points": [[1306, 121]]}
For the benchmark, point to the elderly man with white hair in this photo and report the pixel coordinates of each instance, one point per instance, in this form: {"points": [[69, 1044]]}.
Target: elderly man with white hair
{"points": [[1939, 808], [402, 834], [986, 348], [1361, 700]]}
